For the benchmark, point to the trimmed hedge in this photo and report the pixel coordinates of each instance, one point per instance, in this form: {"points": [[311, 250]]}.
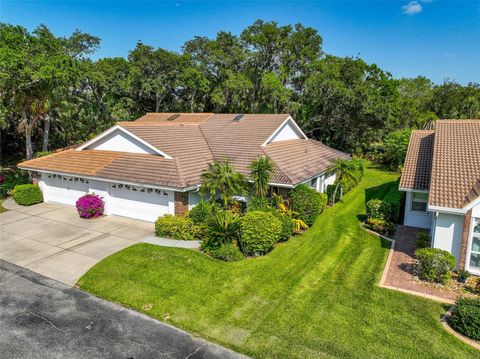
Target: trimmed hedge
{"points": [[435, 265], [287, 226], [259, 232], [27, 194], [308, 203], [378, 209], [181, 228], [465, 317]]}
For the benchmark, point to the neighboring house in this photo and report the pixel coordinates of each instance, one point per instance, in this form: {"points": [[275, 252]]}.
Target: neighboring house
{"points": [[441, 178], [152, 166]]}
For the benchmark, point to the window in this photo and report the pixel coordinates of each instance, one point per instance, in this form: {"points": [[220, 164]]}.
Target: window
{"points": [[475, 248], [313, 183], [419, 202]]}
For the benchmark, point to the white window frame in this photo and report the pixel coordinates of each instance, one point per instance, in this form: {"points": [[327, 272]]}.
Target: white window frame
{"points": [[419, 200], [475, 270]]}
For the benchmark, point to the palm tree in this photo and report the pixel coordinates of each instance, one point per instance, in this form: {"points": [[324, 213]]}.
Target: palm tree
{"points": [[346, 171], [221, 177], [261, 170]]}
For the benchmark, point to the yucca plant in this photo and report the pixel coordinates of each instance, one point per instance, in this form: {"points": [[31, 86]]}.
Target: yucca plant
{"points": [[298, 224], [261, 170], [223, 228]]}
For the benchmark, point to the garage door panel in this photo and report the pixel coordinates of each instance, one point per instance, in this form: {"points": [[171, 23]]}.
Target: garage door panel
{"points": [[64, 190], [137, 202]]}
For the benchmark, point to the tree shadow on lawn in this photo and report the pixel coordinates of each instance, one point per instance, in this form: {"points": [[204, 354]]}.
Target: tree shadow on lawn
{"points": [[378, 192]]}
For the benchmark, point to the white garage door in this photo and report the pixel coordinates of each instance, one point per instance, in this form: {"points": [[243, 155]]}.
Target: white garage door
{"points": [[62, 189], [138, 202]]}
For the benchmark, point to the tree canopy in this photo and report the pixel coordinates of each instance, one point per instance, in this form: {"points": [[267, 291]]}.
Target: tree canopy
{"points": [[54, 95]]}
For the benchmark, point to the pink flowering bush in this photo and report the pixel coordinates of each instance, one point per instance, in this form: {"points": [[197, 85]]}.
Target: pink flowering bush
{"points": [[90, 205]]}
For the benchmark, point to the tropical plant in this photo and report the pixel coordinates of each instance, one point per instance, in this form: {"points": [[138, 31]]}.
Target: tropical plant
{"points": [[346, 171], [221, 178], [298, 224], [202, 213], [261, 170], [222, 228]]}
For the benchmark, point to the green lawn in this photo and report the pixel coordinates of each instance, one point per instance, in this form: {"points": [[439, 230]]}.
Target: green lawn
{"points": [[313, 296]]}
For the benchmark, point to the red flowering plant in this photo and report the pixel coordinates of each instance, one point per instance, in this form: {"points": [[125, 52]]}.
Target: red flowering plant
{"points": [[90, 205]]}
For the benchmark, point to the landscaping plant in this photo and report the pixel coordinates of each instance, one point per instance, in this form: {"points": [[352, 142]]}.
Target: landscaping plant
{"points": [[27, 194], [465, 317], [176, 227], [11, 179], [435, 265], [308, 203], [462, 276], [202, 213], [259, 232], [224, 227], [379, 209], [227, 252], [380, 226], [221, 178], [258, 204], [261, 170], [423, 240], [90, 206]]}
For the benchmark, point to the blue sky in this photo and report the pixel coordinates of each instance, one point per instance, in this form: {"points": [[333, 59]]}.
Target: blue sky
{"points": [[437, 39]]}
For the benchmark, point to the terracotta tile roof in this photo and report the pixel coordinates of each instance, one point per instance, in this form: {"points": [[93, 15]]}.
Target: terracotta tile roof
{"points": [[453, 164], [456, 163], [302, 159], [130, 167], [418, 161], [193, 141]]}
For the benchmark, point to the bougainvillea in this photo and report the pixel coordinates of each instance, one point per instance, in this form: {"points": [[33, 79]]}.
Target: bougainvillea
{"points": [[90, 205]]}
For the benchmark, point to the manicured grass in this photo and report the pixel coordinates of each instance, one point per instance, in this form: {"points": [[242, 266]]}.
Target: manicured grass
{"points": [[313, 296]]}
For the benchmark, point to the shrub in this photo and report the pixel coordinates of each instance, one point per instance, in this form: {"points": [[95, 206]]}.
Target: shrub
{"points": [[11, 179], [287, 225], [423, 240], [435, 264], [258, 204], [224, 227], [202, 213], [380, 226], [181, 228], [90, 205], [379, 209], [259, 232], [27, 194], [308, 203], [465, 317], [227, 252]]}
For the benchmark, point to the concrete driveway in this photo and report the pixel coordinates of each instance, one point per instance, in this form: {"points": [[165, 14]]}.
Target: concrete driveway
{"points": [[41, 318], [52, 240]]}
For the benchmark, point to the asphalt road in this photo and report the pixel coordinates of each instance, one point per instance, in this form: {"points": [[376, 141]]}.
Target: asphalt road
{"points": [[43, 318]]}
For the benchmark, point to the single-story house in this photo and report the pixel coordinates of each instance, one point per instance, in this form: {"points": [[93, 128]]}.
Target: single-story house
{"points": [[146, 168], [441, 178]]}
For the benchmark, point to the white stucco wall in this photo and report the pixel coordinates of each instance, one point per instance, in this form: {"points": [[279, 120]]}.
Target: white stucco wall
{"points": [[120, 141], [287, 132], [147, 205], [416, 219], [476, 211], [448, 233]]}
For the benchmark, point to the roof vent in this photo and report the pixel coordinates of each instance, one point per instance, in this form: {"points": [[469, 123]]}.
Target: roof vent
{"points": [[238, 117], [173, 117]]}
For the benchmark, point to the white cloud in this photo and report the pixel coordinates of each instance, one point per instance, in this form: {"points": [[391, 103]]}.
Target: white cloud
{"points": [[412, 8]]}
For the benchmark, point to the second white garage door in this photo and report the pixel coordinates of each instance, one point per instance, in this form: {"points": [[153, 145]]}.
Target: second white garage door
{"points": [[138, 202]]}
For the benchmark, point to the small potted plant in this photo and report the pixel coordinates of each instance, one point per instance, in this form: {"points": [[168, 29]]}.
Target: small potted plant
{"points": [[90, 205], [462, 276]]}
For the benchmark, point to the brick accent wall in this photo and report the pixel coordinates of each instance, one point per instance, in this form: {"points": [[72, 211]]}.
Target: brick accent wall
{"points": [[181, 203], [465, 238]]}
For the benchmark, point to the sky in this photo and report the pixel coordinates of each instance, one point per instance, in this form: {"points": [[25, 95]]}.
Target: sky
{"points": [[432, 38]]}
